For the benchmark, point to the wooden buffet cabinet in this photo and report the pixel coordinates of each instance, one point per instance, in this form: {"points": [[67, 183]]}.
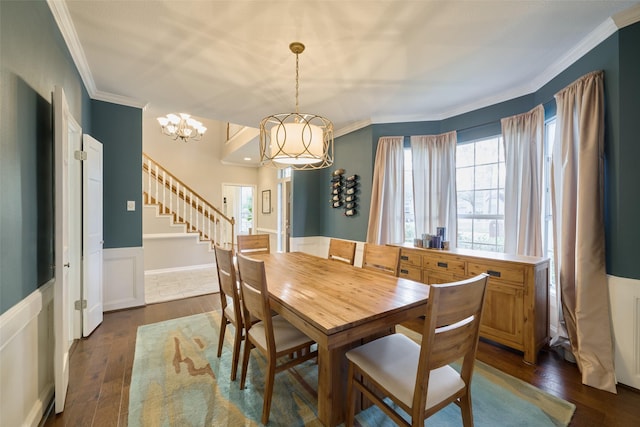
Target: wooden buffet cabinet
{"points": [[516, 311]]}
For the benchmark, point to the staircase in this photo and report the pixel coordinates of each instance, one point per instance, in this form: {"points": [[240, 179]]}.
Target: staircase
{"points": [[187, 216]]}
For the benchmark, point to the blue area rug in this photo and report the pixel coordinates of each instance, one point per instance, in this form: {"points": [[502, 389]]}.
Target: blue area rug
{"points": [[177, 380]]}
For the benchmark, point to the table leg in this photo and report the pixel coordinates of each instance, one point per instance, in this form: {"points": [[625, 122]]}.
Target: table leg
{"points": [[332, 386]]}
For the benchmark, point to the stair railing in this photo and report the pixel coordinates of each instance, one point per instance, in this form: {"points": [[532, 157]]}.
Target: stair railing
{"points": [[162, 188]]}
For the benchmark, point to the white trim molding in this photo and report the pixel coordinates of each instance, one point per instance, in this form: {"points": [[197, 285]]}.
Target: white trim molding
{"points": [[624, 296], [63, 19], [123, 278], [319, 246], [26, 359]]}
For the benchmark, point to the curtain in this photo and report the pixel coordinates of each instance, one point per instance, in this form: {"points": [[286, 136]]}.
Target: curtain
{"points": [[523, 139], [434, 184], [386, 214], [578, 210]]}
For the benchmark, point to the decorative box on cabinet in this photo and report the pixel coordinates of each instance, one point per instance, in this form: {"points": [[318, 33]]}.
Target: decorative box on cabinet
{"points": [[516, 312]]}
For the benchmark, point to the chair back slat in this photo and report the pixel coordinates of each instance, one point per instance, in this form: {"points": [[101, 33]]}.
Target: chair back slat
{"points": [[381, 258], [253, 288], [452, 327], [226, 272], [342, 250], [254, 244]]}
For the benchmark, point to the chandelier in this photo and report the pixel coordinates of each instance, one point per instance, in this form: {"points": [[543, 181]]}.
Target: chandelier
{"points": [[296, 140], [182, 126]]}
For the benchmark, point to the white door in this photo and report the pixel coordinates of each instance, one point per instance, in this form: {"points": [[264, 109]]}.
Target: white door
{"points": [[92, 234], [240, 204], [284, 215], [66, 128]]}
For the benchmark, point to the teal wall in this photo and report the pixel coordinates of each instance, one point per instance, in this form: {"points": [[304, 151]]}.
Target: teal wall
{"points": [[33, 60], [618, 57], [119, 129], [624, 207]]}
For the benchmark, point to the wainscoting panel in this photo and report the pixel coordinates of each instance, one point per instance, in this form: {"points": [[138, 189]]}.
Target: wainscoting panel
{"points": [[123, 278], [319, 246], [26, 359], [625, 313]]}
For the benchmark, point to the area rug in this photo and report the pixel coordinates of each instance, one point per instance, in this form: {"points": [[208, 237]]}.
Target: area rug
{"points": [[177, 380]]}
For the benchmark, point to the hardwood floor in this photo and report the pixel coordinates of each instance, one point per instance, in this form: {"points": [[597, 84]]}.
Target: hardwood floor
{"points": [[101, 372]]}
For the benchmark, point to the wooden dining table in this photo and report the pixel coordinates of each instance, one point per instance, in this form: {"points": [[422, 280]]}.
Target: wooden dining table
{"points": [[338, 305]]}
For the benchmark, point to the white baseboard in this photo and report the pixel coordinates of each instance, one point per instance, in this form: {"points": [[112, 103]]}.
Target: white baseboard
{"points": [[123, 278], [179, 269], [624, 296], [26, 359]]}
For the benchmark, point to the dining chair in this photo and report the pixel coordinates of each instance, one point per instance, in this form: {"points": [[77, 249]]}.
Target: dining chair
{"points": [[253, 244], [418, 377], [230, 304], [342, 250], [274, 337], [381, 258]]}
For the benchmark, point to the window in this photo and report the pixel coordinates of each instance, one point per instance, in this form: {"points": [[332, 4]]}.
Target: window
{"points": [[480, 176], [409, 219], [547, 219], [480, 180]]}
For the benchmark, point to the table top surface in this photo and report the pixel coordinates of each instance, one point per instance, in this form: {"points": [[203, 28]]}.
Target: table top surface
{"points": [[334, 296]]}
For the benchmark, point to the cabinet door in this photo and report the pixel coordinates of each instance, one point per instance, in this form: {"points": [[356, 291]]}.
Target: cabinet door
{"points": [[502, 318]]}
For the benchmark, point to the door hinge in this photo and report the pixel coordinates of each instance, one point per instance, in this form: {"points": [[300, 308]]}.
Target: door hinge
{"points": [[80, 155], [80, 304]]}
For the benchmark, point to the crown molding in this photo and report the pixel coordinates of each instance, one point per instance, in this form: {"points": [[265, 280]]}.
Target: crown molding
{"points": [[118, 99], [65, 25], [61, 15], [609, 27], [593, 39], [352, 127], [627, 17]]}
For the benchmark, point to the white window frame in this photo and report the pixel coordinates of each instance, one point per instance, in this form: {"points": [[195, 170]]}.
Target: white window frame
{"points": [[498, 218]]}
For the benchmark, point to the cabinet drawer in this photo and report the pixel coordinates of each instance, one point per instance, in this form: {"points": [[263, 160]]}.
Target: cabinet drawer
{"points": [[411, 258], [498, 272], [437, 278], [410, 272], [444, 264]]}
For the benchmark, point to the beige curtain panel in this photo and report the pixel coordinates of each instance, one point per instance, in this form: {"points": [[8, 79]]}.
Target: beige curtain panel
{"points": [[434, 184], [578, 211], [523, 140], [386, 214]]}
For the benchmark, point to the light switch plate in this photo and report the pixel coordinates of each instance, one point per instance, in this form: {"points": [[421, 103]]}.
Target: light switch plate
{"points": [[131, 205]]}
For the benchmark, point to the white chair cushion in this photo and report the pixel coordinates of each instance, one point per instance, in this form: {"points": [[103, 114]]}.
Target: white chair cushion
{"points": [[392, 361], [285, 335]]}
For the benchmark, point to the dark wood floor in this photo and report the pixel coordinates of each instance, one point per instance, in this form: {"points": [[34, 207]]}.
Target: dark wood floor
{"points": [[101, 372]]}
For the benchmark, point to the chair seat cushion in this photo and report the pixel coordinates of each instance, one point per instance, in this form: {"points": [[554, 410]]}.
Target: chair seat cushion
{"points": [[286, 336], [392, 361]]}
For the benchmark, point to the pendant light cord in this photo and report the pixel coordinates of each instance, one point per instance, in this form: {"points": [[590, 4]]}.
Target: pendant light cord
{"points": [[297, 85]]}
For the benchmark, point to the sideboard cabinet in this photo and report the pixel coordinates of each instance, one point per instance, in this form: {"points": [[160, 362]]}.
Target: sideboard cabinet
{"points": [[516, 311]]}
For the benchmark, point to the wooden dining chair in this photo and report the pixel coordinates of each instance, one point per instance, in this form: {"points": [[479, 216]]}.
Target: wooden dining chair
{"points": [[342, 250], [274, 336], [253, 244], [230, 304], [381, 258], [417, 377]]}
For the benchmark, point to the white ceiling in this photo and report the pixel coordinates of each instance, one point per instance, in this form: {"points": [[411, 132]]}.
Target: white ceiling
{"points": [[365, 61]]}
